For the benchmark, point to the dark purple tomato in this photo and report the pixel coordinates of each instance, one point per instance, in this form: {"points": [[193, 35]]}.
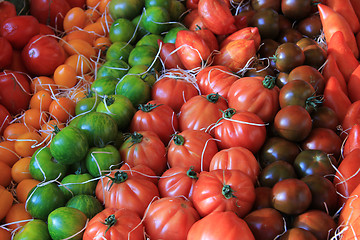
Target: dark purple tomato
{"points": [[267, 21], [265, 223], [310, 75], [267, 49], [289, 35], [277, 148], [324, 117], [324, 196], [281, 79], [297, 92], [288, 56], [291, 196], [319, 223], [297, 234], [263, 198], [259, 70], [284, 23], [315, 56], [258, 4], [310, 26], [276, 172], [296, 9], [293, 123], [305, 42]]}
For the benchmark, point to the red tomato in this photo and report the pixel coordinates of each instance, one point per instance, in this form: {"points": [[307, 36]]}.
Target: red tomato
{"points": [[209, 37], [140, 171], [240, 129], [223, 190], [42, 55], [7, 10], [236, 158], [156, 117], [192, 49], [217, 16], [144, 147], [250, 33], [191, 148], [19, 30], [220, 225], [14, 91], [112, 223], [353, 140], [215, 79], [211, 105], [256, 95], [169, 56], [177, 181], [174, 88], [117, 191], [77, 3], [192, 4], [6, 53], [5, 119], [170, 218], [51, 12], [352, 116]]}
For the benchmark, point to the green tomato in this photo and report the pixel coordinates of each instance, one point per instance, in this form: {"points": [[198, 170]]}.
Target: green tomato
{"points": [[125, 8], [65, 222], [76, 184], [156, 20], [148, 75], [113, 68], [119, 50], [43, 199], [69, 145], [176, 10], [144, 55], [122, 30], [134, 88], [150, 40], [170, 36], [100, 128], [35, 229], [86, 105], [88, 204], [100, 160], [43, 167], [104, 86], [158, 3], [141, 31]]}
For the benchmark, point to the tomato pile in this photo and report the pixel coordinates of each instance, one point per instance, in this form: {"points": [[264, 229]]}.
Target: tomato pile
{"points": [[169, 119]]}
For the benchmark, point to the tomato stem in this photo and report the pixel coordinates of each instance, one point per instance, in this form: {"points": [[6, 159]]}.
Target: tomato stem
{"points": [[313, 102], [227, 191], [213, 97], [269, 82], [136, 137], [119, 177], [109, 222], [228, 113], [178, 139], [191, 173], [109, 100], [148, 107]]}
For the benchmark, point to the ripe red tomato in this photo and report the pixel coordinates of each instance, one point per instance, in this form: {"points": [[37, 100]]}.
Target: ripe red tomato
{"points": [[169, 56], [223, 190], [6, 53], [42, 55], [7, 9], [19, 30], [15, 92], [5, 118]]}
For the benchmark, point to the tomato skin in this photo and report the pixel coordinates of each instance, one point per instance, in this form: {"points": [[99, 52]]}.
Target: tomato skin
{"points": [[14, 91], [127, 226], [134, 194], [223, 190], [42, 55], [191, 148], [19, 30], [35, 229], [251, 33], [255, 94], [77, 184], [353, 140], [102, 159], [5, 119], [156, 117], [170, 218], [168, 56], [88, 204], [7, 10], [6, 53], [244, 129], [220, 225], [352, 116]]}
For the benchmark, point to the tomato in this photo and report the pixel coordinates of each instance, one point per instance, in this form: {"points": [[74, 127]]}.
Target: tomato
{"points": [[119, 50], [64, 222], [76, 184], [144, 55], [6, 201], [112, 223], [144, 147], [134, 88], [150, 40], [191, 49], [101, 159], [141, 171], [117, 191], [251, 33], [92, 125], [352, 141], [43, 199], [88, 204], [238, 158], [191, 148], [7, 10], [244, 129], [170, 218], [220, 225], [170, 36], [6, 54], [173, 89], [169, 56], [26, 144], [122, 30], [104, 86], [5, 119], [42, 55], [148, 74], [18, 216], [43, 167], [223, 190], [20, 170], [116, 68], [177, 181], [352, 116], [19, 30], [215, 79], [15, 91], [50, 12], [86, 105], [156, 117], [35, 229], [155, 19], [310, 75], [125, 8]]}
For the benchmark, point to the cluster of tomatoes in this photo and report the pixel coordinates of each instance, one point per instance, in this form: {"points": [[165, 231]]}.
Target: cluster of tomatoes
{"points": [[163, 119]]}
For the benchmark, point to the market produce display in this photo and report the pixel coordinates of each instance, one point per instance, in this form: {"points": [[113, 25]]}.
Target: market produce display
{"points": [[179, 119]]}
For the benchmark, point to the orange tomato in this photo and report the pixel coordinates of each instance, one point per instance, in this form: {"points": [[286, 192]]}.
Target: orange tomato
{"points": [[20, 170], [93, 4], [92, 15], [78, 34], [41, 100], [97, 29], [23, 189], [48, 128], [34, 117], [5, 174], [14, 130], [5, 234], [101, 44], [43, 83], [7, 153], [6, 201], [79, 46], [104, 6], [27, 143], [65, 76], [75, 18], [81, 64], [62, 109], [76, 94], [17, 213]]}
